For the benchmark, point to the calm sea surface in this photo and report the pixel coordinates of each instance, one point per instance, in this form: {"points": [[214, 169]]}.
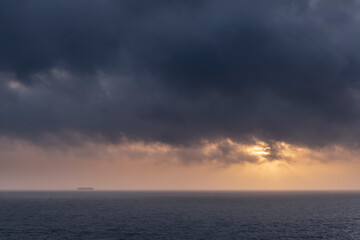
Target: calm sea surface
{"points": [[179, 215]]}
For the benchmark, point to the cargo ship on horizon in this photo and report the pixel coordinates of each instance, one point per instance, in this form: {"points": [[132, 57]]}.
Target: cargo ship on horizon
{"points": [[85, 189]]}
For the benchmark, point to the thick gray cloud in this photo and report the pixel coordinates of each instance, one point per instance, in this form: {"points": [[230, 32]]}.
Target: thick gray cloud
{"points": [[181, 71]]}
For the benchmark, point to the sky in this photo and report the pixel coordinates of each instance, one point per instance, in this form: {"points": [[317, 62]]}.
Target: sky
{"points": [[180, 95]]}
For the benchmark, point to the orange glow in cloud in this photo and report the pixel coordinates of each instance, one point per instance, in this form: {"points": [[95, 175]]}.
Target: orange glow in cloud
{"points": [[222, 165]]}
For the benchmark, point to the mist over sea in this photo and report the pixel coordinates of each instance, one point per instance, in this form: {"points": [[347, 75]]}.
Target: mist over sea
{"points": [[179, 215]]}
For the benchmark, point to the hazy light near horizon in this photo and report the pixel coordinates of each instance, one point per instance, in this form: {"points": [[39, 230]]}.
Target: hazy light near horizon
{"points": [[213, 166]]}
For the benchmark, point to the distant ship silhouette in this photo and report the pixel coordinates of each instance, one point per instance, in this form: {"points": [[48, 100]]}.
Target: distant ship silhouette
{"points": [[85, 188]]}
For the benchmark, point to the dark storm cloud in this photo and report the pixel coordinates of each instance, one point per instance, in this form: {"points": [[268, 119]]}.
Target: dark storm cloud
{"points": [[181, 71]]}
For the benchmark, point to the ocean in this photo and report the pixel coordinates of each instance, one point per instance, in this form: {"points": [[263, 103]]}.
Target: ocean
{"points": [[179, 215]]}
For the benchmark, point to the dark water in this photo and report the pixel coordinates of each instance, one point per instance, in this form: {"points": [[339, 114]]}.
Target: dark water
{"points": [[179, 215]]}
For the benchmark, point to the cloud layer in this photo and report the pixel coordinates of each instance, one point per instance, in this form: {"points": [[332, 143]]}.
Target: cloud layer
{"points": [[181, 72]]}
